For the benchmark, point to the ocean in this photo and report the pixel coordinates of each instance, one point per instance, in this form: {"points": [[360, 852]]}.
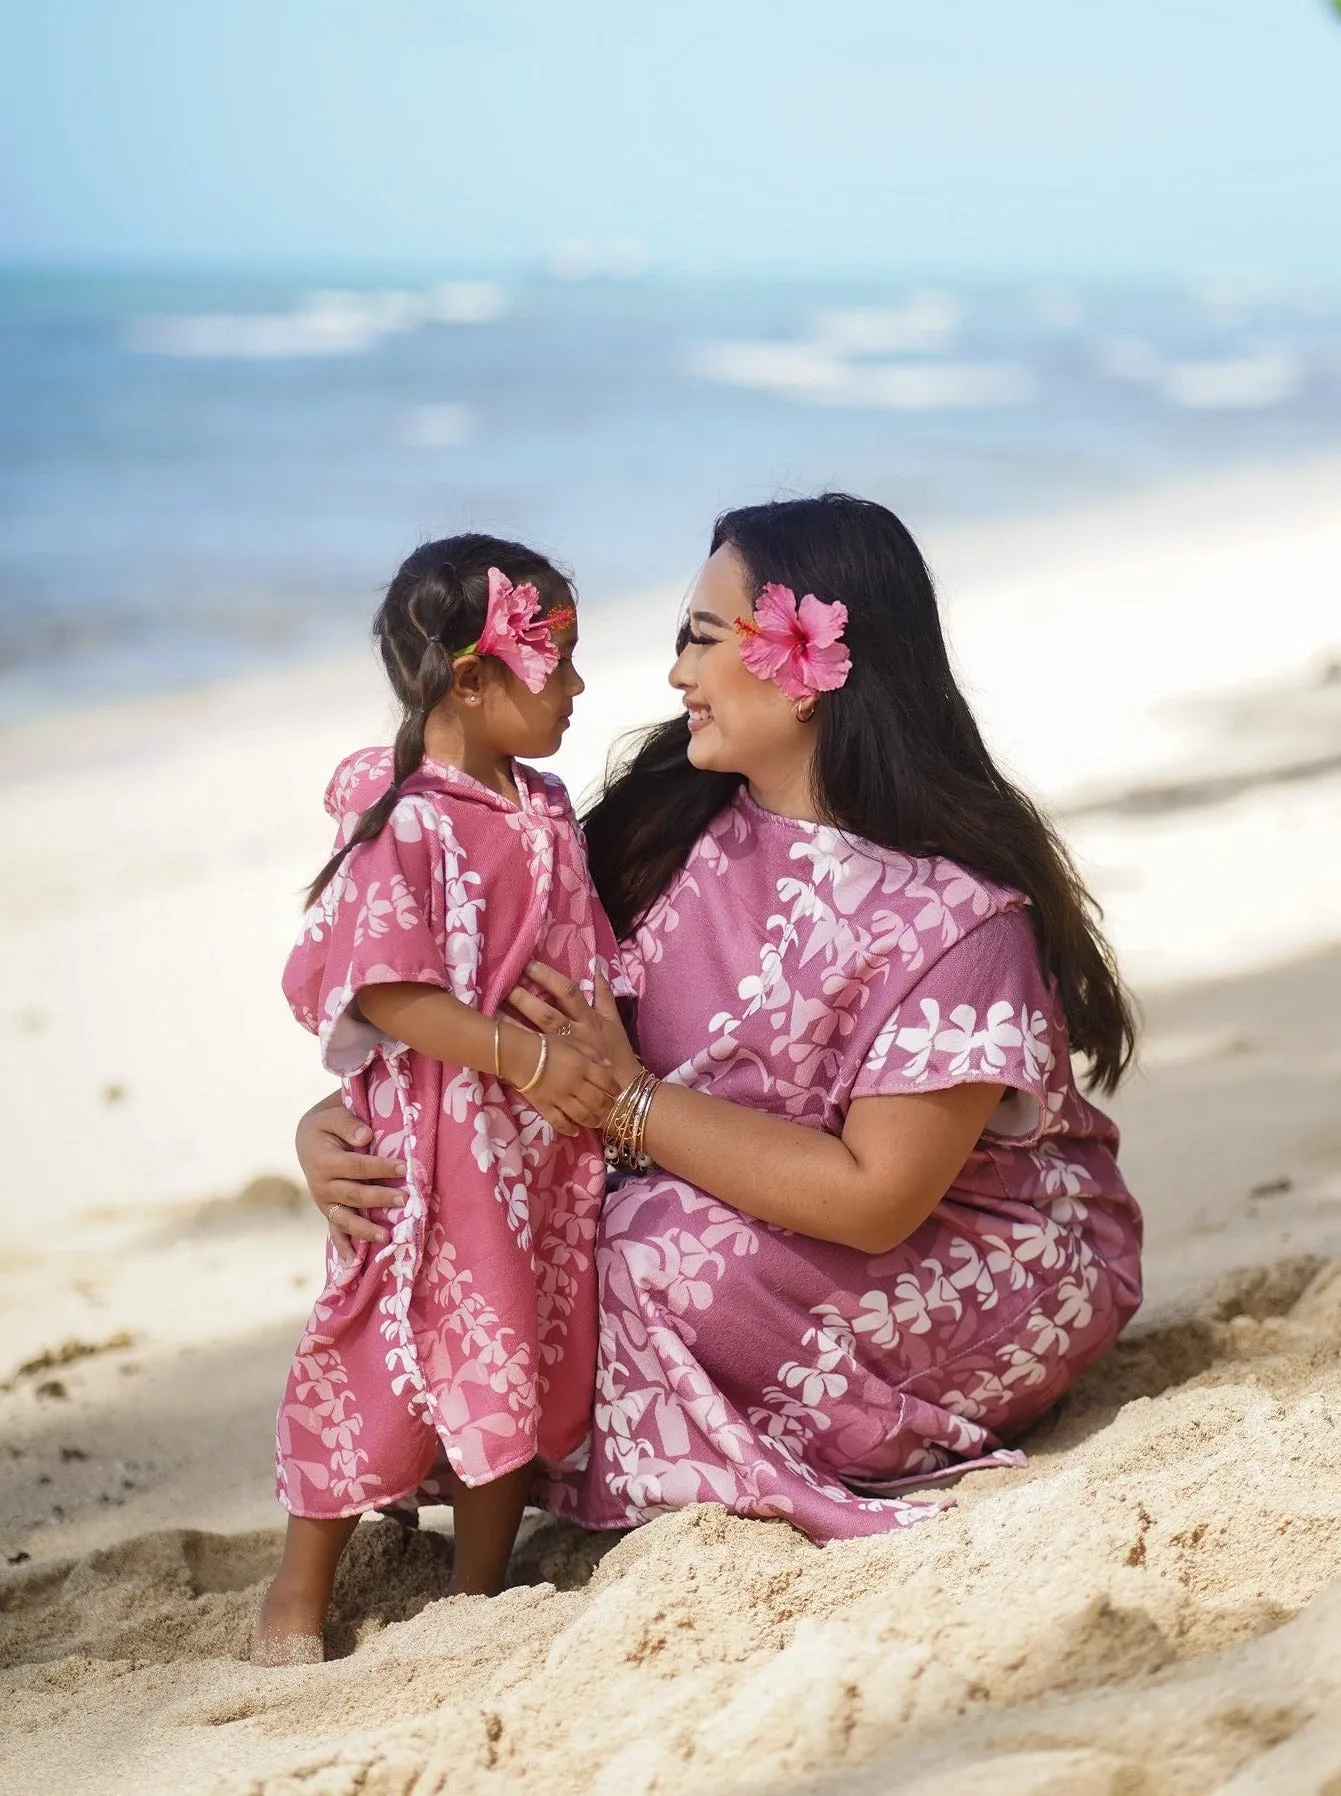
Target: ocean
{"points": [[204, 473]]}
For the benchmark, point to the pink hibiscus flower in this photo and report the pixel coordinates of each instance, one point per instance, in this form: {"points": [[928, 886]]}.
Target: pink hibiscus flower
{"points": [[799, 647], [515, 633]]}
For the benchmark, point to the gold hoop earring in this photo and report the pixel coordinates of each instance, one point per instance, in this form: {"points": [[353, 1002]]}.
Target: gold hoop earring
{"points": [[804, 716]]}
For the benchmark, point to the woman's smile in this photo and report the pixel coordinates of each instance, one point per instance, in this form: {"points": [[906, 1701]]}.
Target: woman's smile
{"points": [[700, 716]]}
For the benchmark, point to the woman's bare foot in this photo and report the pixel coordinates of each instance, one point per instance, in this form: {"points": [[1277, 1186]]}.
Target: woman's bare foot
{"points": [[287, 1632]]}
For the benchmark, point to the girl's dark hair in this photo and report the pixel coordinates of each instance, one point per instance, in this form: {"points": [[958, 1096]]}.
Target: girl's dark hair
{"points": [[899, 760], [434, 608]]}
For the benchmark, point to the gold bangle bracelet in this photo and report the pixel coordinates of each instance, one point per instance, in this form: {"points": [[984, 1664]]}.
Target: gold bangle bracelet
{"points": [[617, 1128], [498, 1047], [638, 1126], [539, 1072], [620, 1112], [627, 1123]]}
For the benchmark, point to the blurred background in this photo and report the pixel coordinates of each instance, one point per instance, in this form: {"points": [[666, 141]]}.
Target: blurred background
{"points": [[285, 288]]}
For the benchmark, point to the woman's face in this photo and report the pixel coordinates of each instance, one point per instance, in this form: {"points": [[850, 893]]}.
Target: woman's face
{"points": [[737, 723]]}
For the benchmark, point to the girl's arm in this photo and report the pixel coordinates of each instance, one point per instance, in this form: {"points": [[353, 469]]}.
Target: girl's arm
{"points": [[577, 1087], [868, 1188], [331, 1141]]}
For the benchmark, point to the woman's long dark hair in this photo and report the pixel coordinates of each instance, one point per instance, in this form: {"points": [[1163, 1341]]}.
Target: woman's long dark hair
{"points": [[899, 760], [434, 608]]}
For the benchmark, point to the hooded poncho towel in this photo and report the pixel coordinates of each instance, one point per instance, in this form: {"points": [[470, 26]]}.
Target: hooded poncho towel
{"points": [[471, 1335]]}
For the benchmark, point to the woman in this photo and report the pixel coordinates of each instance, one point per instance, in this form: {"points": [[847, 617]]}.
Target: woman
{"points": [[882, 1231]]}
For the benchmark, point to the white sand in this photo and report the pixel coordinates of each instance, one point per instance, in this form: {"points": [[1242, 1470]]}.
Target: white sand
{"points": [[1144, 1609]]}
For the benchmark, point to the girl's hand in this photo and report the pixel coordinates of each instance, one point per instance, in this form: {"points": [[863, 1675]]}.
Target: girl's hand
{"points": [[578, 1087], [598, 1028], [341, 1177]]}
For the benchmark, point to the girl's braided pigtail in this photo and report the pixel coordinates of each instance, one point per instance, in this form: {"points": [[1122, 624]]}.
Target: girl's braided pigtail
{"points": [[433, 682]]}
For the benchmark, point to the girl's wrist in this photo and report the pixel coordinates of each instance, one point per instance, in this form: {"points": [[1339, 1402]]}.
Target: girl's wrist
{"points": [[518, 1054]]}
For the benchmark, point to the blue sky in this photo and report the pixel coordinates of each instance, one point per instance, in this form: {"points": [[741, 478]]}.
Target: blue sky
{"points": [[1045, 137]]}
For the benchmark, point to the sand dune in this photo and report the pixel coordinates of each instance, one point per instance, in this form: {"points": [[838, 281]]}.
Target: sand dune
{"points": [[1174, 1622]]}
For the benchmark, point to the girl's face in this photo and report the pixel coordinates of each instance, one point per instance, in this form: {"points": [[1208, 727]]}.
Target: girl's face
{"points": [[737, 723], [513, 720], [534, 722]]}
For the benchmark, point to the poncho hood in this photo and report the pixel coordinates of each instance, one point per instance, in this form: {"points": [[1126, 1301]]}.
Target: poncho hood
{"points": [[362, 778]]}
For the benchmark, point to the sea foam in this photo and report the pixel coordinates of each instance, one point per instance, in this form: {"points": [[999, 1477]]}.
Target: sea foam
{"points": [[328, 323], [813, 373], [1264, 376]]}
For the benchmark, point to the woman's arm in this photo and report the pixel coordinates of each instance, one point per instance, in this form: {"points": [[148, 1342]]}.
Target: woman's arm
{"points": [[868, 1189]]}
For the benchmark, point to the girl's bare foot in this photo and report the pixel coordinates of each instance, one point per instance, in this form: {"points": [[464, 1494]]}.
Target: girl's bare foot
{"points": [[293, 1611], [287, 1632], [486, 1520]]}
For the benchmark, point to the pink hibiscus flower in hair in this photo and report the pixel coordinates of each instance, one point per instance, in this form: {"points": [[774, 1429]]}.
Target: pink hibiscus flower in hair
{"points": [[515, 632], [799, 647]]}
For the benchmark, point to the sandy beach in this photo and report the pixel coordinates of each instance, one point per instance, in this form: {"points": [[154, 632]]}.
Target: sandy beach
{"points": [[1151, 1605]]}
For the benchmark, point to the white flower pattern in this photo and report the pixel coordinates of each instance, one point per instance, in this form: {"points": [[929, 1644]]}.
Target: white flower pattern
{"points": [[471, 1335], [783, 1376]]}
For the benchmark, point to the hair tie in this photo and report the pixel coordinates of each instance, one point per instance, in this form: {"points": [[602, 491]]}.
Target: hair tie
{"points": [[433, 638]]}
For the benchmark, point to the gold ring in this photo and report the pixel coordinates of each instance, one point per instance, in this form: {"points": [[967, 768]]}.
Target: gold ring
{"points": [[567, 1029]]}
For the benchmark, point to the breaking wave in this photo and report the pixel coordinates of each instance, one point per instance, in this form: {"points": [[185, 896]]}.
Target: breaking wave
{"points": [[332, 323]]}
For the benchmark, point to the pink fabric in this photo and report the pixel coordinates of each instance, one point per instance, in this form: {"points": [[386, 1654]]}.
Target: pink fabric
{"points": [[793, 969], [474, 1330]]}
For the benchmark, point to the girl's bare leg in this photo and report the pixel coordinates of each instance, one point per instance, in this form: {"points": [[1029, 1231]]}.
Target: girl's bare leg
{"points": [[293, 1610], [487, 1517]]}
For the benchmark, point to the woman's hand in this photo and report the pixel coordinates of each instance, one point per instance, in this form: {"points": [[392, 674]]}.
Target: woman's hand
{"points": [[598, 1028], [342, 1179]]}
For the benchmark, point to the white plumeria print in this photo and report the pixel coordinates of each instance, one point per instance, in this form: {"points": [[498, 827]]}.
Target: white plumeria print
{"points": [[411, 905], [840, 971], [813, 1384]]}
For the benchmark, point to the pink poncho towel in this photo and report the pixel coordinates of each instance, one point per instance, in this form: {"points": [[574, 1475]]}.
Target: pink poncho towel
{"points": [[471, 1336]]}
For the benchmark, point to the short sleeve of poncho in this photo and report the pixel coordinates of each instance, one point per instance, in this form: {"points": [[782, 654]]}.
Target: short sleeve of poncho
{"points": [[982, 1013], [372, 927]]}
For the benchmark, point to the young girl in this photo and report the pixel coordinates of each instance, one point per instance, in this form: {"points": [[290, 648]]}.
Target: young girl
{"points": [[470, 1337]]}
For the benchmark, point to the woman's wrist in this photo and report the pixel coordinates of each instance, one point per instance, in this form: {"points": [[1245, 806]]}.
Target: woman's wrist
{"points": [[625, 1128]]}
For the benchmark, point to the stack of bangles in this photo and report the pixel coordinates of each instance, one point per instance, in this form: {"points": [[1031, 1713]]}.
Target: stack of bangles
{"points": [[627, 1124]]}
